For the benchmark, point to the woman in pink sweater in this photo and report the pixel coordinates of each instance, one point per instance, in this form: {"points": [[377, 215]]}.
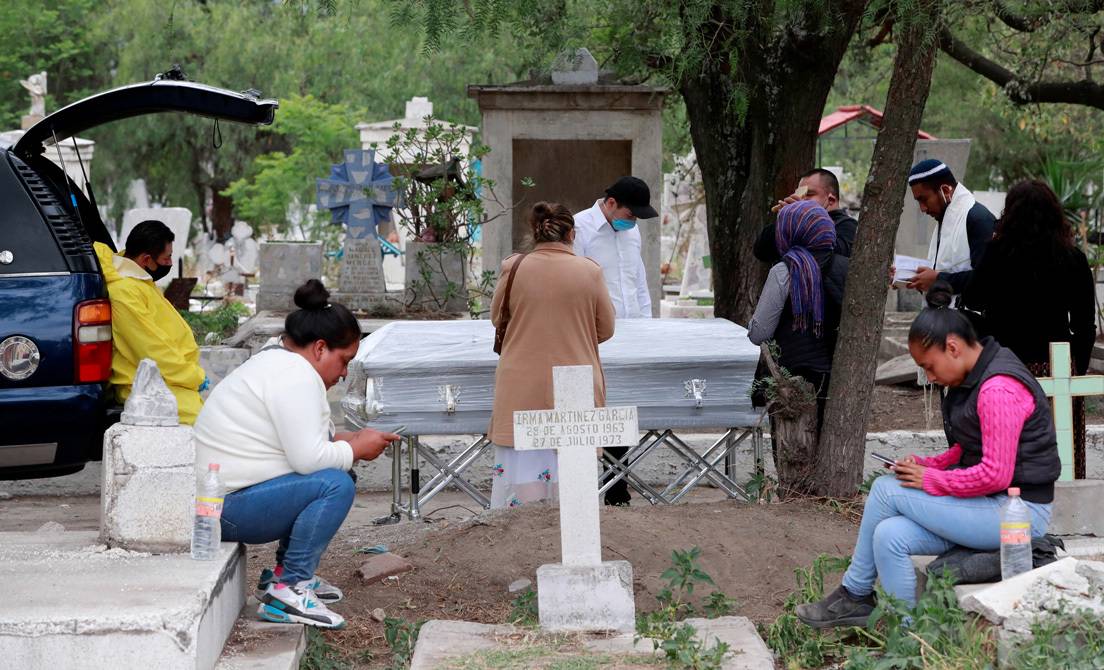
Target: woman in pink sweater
{"points": [[1001, 434]]}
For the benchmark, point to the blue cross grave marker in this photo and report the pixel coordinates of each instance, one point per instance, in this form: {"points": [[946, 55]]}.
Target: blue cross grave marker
{"points": [[358, 193]]}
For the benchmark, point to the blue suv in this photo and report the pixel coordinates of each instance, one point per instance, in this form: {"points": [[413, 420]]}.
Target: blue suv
{"points": [[55, 318]]}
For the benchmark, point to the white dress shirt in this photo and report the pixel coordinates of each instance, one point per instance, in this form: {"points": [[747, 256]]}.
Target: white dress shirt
{"points": [[618, 253]]}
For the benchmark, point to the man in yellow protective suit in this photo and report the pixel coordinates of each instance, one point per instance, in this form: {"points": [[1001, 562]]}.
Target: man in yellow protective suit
{"points": [[144, 324]]}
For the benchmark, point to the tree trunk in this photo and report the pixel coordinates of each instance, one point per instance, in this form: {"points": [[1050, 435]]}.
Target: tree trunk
{"points": [[752, 155], [843, 436], [222, 212], [792, 406]]}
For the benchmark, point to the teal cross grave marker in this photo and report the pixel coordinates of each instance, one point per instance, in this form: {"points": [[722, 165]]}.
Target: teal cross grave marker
{"points": [[1062, 387]]}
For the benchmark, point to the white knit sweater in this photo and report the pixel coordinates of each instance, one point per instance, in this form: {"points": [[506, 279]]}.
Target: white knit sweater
{"points": [[268, 418]]}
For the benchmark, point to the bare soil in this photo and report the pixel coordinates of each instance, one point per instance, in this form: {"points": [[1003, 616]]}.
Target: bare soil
{"points": [[463, 567]]}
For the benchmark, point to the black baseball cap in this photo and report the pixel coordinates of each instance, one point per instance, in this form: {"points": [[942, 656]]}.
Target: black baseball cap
{"points": [[633, 193]]}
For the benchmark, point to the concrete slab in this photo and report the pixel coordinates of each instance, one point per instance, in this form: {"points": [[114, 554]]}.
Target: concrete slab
{"points": [[441, 642], [69, 597], [1084, 547], [747, 649], [1078, 508], [996, 601], [259, 645], [149, 486], [586, 597]]}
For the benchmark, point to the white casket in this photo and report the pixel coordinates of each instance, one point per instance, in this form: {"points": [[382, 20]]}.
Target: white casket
{"points": [[437, 377]]}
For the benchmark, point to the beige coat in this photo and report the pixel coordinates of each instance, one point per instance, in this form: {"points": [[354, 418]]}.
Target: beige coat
{"points": [[559, 311]]}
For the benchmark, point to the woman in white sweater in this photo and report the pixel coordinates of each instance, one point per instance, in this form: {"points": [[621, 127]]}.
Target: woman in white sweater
{"points": [[268, 427]]}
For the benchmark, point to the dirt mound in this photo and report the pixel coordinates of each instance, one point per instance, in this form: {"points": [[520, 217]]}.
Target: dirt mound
{"points": [[462, 571]]}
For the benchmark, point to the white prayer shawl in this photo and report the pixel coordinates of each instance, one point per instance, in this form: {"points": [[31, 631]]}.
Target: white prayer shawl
{"points": [[951, 238]]}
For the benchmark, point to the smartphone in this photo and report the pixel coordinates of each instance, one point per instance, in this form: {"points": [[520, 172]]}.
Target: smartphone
{"points": [[878, 457]]}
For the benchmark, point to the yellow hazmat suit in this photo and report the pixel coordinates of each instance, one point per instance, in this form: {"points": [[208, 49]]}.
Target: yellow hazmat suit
{"points": [[145, 325]]}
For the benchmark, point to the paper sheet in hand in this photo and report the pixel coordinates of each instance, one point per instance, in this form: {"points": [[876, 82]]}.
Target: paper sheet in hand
{"points": [[906, 267]]}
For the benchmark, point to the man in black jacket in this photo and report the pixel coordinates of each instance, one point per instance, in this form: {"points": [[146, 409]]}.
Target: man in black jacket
{"points": [[823, 187]]}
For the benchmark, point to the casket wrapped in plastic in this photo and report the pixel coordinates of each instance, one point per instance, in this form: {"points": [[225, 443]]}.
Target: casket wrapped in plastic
{"points": [[437, 377]]}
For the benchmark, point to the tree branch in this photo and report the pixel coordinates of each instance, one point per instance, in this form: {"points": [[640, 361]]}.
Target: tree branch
{"points": [[1014, 20], [1022, 92]]}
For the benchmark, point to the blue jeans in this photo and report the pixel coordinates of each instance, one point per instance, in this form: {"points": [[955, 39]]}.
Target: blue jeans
{"points": [[900, 522], [303, 512]]}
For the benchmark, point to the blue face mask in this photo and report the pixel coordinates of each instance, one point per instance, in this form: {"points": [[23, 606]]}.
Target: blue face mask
{"points": [[623, 224]]}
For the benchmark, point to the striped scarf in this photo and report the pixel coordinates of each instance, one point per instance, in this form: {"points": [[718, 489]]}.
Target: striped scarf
{"points": [[804, 227]]}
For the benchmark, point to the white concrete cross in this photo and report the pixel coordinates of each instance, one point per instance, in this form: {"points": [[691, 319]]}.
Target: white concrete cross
{"points": [[583, 592]]}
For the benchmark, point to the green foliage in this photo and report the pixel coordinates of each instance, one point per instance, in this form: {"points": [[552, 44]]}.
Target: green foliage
{"points": [[1076, 182], [678, 641], [320, 654], [1064, 640], [868, 482], [401, 636], [761, 487], [340, 52], [936, 633], [523, 609], [317, 133], [797, 644], [439, 186], [48, 36], [213, 326]]}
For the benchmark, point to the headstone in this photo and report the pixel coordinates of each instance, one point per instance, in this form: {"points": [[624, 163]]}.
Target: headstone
{"points": [[361, 285], [582, 593], [285, 266], [179, 221], [148, 468], [576, 67], [247, 251]]}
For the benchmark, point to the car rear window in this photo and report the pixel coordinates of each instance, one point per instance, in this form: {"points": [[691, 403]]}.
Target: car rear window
{"points": [[37, 234]]}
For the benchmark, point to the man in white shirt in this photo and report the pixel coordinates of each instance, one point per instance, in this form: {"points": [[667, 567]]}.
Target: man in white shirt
{"points": [[607, 234]]}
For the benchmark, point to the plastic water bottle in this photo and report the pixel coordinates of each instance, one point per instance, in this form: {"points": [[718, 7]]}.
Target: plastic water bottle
{"points": [[207, 530], [1015, 536]]}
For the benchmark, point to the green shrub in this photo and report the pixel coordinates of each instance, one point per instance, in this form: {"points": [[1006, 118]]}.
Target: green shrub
{"points": [[212, 327]]}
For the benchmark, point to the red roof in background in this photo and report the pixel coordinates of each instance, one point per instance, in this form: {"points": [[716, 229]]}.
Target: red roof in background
{"points": [[864, 113]]}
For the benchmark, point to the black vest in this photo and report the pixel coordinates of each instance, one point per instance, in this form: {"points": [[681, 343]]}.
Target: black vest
{"points": [[803, 350], [1037, 463]]}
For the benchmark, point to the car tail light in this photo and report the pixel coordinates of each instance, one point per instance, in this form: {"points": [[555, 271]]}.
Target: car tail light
{"points": [[92, 341]]}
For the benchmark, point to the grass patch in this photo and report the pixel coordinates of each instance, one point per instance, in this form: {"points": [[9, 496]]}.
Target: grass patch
{"points": [[545, 656], [214, 326], [320, 654], [1066, 640]]}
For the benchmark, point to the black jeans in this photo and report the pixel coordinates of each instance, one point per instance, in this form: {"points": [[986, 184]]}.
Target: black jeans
{"points": [[618, 494]]}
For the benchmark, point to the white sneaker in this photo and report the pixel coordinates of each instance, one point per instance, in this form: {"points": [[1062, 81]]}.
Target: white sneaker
{"points": [[291, 604], [323, 590]]}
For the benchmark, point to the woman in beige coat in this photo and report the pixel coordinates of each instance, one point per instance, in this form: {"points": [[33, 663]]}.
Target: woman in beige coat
{"points": [[559, 311]]}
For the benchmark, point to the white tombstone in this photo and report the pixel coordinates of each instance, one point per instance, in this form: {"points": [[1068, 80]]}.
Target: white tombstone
{"points": [[179, 221], [148, 485], [247, 251], [583, 592], [576, 67]]}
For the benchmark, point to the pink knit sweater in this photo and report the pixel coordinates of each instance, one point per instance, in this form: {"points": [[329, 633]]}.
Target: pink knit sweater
{"points": [[1003, 406]]}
